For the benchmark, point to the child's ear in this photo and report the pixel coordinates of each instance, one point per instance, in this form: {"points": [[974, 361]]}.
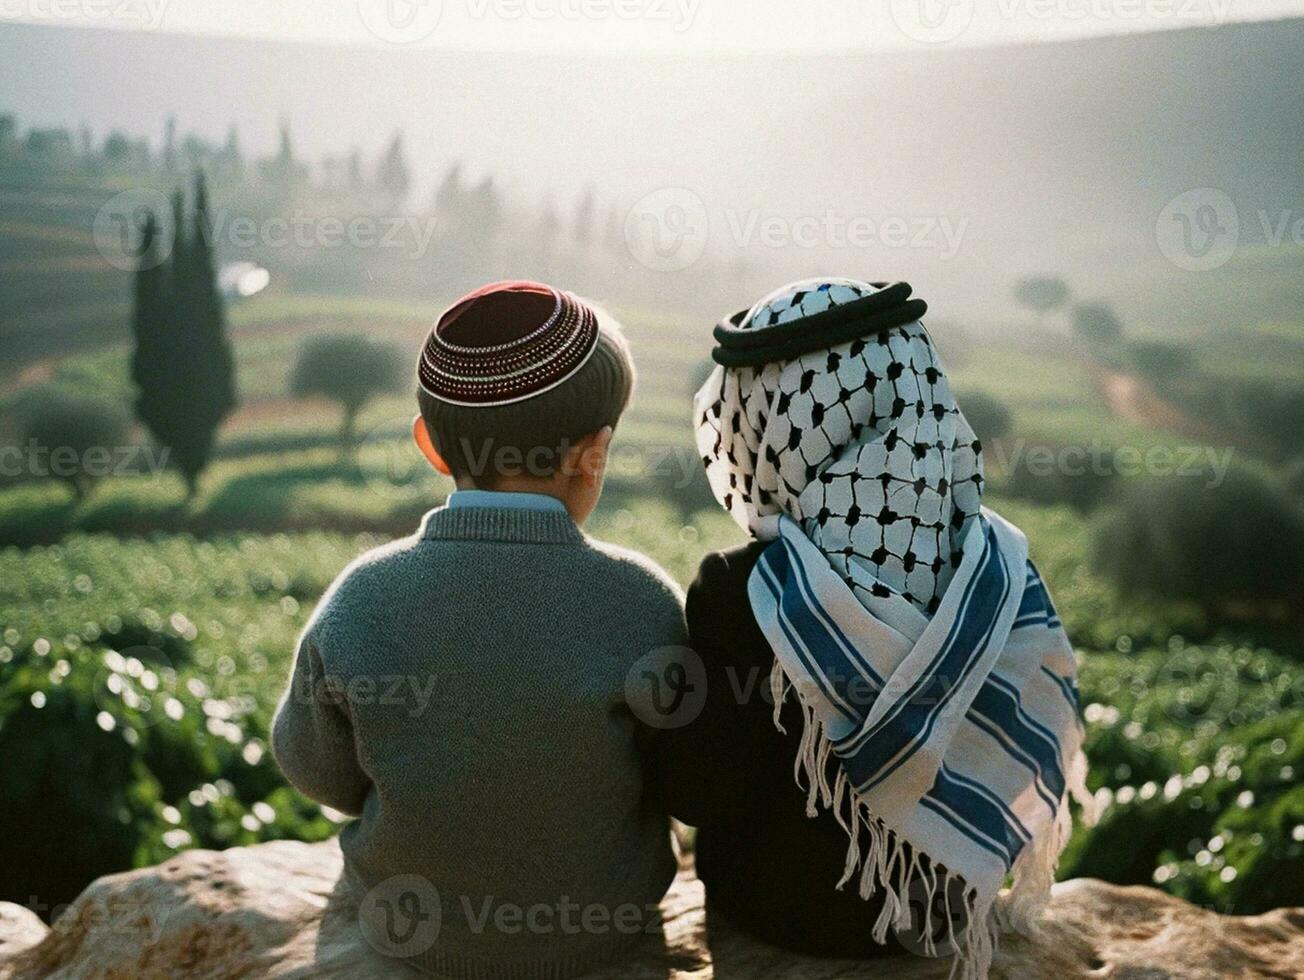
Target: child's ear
{"points": [[592, 450], [421, 436]]}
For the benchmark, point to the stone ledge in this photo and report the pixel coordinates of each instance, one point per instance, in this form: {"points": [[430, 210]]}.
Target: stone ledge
{"points": [[274, 910]]}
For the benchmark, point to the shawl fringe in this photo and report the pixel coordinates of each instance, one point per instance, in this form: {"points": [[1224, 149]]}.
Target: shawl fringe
{"points": [[881, 862]]}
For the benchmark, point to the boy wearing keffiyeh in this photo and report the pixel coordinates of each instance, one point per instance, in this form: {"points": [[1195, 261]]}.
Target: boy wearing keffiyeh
{"points": [[884, 638]]}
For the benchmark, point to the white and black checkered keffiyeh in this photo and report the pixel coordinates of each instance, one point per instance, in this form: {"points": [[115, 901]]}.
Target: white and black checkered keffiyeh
{"points": [[917, 635], [862, 444]]}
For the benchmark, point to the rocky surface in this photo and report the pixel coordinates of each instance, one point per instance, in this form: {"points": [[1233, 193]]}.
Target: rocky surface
{"points": [[277, 910]]}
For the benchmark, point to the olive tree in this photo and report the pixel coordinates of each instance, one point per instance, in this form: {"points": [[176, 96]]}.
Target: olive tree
{"points": [[349, 369], [1042, 294], [73, 438]]}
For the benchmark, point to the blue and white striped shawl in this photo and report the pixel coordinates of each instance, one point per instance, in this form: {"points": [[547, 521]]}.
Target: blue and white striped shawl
{"points": [[957, 734]]}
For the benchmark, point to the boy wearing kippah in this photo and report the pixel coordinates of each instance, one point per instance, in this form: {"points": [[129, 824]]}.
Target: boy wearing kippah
{"points": [[462, 691]]}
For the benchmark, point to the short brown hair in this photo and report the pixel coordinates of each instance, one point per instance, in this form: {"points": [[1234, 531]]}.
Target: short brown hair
{"points": [[531, 437]]}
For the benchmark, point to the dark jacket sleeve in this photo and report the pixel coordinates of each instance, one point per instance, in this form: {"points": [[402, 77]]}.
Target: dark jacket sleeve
{"points": [[707, 767]]}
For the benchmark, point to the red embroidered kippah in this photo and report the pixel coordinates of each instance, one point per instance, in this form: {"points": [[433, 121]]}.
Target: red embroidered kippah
{"points": [[506, 342]]}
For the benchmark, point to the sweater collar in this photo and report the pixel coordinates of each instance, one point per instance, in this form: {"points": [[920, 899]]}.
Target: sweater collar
{"points": [[499, 524]]}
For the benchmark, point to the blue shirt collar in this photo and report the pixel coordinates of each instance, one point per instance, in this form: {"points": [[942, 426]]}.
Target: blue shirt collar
{"points": [[505, 500]]}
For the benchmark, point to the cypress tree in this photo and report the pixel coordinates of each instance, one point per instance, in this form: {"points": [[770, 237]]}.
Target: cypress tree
{"points": [[183, 366], [150, 357], [392, 175]]}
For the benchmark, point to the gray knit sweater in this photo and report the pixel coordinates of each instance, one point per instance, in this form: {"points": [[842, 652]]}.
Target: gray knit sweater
{"points": [[463, 693]]}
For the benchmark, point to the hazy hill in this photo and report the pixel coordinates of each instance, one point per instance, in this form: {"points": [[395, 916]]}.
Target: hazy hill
{"points": [[1055, 157]]}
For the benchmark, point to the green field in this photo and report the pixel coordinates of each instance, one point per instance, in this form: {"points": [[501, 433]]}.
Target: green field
{"points": [[156, 662], [276, 467], [145, 639]]}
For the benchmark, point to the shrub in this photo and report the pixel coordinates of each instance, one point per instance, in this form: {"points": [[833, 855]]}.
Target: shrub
{"points": [[1159, 361], [1270, 413], [1293, 477], [76, 435], [1042, 294], [987, 415], [1193, 753], [119, 759], [128, 778], [1097, 325], [99, 769], [1085, 489], [1239, 542], [350, 369]]}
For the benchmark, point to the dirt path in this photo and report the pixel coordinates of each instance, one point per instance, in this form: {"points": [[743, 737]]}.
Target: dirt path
{"points": [[1133, 400]]}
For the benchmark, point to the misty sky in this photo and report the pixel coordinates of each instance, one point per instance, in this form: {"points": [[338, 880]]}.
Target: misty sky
{"points": [[1001, 161], [651, 25]]}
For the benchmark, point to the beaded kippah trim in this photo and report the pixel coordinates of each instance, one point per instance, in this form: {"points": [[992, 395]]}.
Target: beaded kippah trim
{"points": [[541, 356]]}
